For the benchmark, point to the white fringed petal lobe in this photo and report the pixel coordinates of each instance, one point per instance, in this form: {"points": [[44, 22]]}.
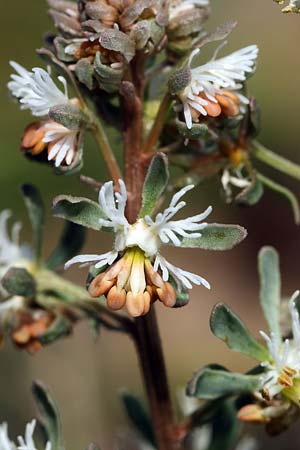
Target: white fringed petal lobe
{"points": [[64, 141], [36, 90]]}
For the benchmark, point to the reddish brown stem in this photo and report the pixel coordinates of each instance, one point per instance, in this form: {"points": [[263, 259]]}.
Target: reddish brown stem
{"points": [[147, 339]]}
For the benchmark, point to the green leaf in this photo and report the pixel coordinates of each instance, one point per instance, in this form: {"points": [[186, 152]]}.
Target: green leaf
{"points": [[138, 416], [79, 210], [50, 415], [70, 243], [213, 382], [35, 207], [217, 236], [198, 130], [270, 288], [285, 192], [225, 427], [155, 184], [226, 325], [59, 328], [17, 281]]}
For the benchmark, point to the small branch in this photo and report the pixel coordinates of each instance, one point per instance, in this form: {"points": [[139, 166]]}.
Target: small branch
{"points": [[106, 151], [276, 161], [91, 182], [158, 125], [149, 349], [283, 191]]}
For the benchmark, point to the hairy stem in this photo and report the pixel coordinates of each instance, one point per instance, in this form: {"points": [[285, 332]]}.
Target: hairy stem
{"points": [[147, 339], [276, 161]]}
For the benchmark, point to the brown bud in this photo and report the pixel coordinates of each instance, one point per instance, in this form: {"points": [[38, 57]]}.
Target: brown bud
{"points": [[116, 299], [135, 304], [100, 285], [167, 295], [251, 413]]}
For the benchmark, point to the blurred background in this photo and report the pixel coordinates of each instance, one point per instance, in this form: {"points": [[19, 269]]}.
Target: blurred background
{"points": [[86, 376]]}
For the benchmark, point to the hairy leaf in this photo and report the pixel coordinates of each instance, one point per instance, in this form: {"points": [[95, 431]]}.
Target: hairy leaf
{"points": [[213, 382], [217, 236], [270, 288], [226, 325], [155, 183], [50, 415], [79, 210], [35, 207]]}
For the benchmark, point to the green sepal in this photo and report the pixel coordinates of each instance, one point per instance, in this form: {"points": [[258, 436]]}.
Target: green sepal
{"points": [[216, 236], [35, 208], [270, 288], [213, 382], [198, 130], [79, 210], [251, 194], [50, 418], [226, 325], [68, 115], [17, 281], [139, 417], [70, 243], [182, 294], [155, 184], [60, 327]]}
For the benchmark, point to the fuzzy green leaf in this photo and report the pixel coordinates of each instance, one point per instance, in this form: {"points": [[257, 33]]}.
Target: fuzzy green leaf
{"points": [[68, 115], [211, 383], [225, 427], [270, 288], [17, 281], [79, 210], [217, 236], [50, 415], [226, 325], [138, 416], [71, 241], [35, 207], [155, 183]]}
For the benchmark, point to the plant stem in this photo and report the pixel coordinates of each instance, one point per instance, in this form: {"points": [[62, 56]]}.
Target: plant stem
{"points": [[283, 191], [158, 124], [106, 151], [149, 349], [276, 161], [147, 339]]}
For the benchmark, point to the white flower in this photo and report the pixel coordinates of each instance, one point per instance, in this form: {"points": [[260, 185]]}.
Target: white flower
{"points": [[139, 245], [214, 86], [36, 90], [26, 443], [233, 178], [284, 364], [179, 7], [5, 442], [62, 143], [11, 252]]}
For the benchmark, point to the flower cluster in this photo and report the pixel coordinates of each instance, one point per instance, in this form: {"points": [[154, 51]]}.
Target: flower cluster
{"points": [[137, 273], [214, 88], [37, 92]]}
